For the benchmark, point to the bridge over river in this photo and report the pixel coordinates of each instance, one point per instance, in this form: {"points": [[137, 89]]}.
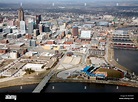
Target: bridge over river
{"points": [[45, 80]]}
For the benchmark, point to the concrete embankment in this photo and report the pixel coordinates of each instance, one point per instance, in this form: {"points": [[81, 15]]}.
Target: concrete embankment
{"points": [[17, 82], [122, 83]]}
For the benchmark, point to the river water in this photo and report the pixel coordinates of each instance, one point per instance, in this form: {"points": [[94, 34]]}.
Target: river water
{"points": [[127, 58], [70, 87], [86, 88]]}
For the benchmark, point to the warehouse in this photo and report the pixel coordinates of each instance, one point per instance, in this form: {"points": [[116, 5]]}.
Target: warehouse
{"points": [[35, 67]]}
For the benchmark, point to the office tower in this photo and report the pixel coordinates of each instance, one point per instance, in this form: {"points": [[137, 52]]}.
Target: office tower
{"points": [[75, 31], [22, 27], [32, 43], [41, 28], [30, 27], [38, 19], [20, 13]]}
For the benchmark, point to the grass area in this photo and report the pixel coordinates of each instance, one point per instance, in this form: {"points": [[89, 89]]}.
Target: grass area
{"points": [[111, 73]]}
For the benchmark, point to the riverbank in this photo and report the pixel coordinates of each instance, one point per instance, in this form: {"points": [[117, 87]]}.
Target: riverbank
{"points": [[35, 79], [110, 82], [112, 61]]}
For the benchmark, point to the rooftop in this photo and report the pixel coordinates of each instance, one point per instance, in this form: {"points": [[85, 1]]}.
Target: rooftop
{"points": [[85, 34]]}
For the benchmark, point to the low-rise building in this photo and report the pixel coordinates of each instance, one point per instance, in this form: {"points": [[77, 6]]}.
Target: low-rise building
{"points": [[35, 67]]}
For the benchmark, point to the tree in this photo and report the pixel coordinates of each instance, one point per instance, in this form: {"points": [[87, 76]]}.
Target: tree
{"points": [[29, 71]]}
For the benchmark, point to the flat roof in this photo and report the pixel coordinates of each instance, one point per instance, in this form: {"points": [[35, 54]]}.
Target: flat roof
{"points": [[32, 65], [85, 34], [19, 44]]}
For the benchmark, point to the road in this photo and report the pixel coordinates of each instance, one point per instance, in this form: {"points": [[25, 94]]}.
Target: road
{"points": [[106, 51]]}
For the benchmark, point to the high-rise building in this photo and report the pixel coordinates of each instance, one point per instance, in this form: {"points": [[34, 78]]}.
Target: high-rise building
{"points": [[30, 28], [75, 31], [38, 19], [41, 28], [21, 14], [22, 27]]}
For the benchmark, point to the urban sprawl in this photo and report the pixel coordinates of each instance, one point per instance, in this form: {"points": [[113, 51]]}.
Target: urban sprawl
{"points": [[59, 43]]}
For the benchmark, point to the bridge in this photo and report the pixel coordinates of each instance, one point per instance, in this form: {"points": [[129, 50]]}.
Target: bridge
{"points": [[123, 43], [45, 80], [121, 35], [121, 38]]}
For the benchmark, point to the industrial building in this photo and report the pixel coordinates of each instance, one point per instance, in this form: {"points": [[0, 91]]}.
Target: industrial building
{"points": [[35, 67], [14, 55]]}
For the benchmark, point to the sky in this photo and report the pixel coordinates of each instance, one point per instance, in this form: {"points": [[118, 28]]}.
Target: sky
{"points": [[44, 1]]}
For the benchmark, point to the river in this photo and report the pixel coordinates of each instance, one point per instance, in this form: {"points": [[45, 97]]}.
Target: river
{"points": [[127, 58], [70, 87]]}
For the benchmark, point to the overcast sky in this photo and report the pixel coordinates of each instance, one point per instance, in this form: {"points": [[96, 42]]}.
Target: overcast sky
{"points": [[44, 1]]}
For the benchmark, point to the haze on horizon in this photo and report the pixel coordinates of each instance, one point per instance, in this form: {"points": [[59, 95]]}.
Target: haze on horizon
{"points": [[45, 1]]}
